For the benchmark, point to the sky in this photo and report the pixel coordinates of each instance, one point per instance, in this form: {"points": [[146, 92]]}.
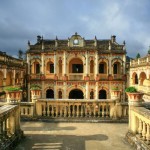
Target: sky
{"points": [[23, 20]]}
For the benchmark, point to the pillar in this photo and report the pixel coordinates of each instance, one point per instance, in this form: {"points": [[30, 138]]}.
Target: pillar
{"points": [[42, 69], [96, 93], [55, 63], [86, 63], [96, 64], [87, 90], [64, 66]]}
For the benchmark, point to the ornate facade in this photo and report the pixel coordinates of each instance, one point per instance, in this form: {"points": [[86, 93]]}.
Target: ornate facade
{"points": [[76, 68], [12, 72]]}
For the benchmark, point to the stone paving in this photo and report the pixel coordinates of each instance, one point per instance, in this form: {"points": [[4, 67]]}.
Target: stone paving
{"points": [[73, 136]]}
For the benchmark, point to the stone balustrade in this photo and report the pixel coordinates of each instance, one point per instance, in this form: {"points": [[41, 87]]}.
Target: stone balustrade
{"points": [[9, 126], [27, 109], [140, 61], [140, 125], [74, 108]]}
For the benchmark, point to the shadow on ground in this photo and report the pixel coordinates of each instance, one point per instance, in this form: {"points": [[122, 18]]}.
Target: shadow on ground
{"points": [[57, 142]]}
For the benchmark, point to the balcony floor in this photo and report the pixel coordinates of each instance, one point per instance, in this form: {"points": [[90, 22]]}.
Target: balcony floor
{"points": [[73, 136]]}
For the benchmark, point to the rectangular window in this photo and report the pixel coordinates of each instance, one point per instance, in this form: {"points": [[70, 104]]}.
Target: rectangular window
{"points": [[51, 68]]}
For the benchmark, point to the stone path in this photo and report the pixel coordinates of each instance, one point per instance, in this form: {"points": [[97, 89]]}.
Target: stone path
{"points": [[73, 136]]}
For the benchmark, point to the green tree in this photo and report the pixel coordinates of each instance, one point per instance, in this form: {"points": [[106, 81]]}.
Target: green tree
{"points": [[138, 55]]}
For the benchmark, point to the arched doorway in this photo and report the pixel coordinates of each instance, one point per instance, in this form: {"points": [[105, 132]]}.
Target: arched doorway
{"points": [[102, 94], [76, 94], [49, 93]]}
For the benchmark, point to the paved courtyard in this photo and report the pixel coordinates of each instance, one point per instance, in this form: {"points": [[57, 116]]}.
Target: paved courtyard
{"points": [[73, 136]]}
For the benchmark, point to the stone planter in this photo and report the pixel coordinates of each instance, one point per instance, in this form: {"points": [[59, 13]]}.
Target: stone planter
{"points": [[35, 94], [13, 96], [115, 94], [135, 96]]}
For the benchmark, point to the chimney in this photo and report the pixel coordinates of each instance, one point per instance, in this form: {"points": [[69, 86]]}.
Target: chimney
{"points": [[113, 38]]}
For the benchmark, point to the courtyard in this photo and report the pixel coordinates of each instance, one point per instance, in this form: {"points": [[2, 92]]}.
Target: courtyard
{"points": [[73, 136]]}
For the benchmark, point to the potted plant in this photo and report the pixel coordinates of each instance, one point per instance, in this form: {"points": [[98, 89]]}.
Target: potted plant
{"points": [[133, 94], [35, 91], [115, 93], [13, 93]]}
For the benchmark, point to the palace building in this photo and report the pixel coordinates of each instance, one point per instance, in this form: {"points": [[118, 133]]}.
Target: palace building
{"points": [[76, 68]]}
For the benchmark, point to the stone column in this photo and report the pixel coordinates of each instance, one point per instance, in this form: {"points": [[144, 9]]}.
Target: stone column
{"points": [[29, 98], [42, 69], [110, 65], [65, 91], [87, 65], [42, 92], [64, 66], [87, 90], [55, 63], [96, 89], [12, 124], [96, 64]]}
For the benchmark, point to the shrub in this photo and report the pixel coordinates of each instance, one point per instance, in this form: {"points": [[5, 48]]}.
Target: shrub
{"points": [[115, 88], [12, 88], [131, 89], [35, 87]]}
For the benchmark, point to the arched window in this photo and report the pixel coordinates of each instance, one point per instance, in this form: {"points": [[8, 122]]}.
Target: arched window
{"points": [[136, 79], [142, 77], [60, 94], [36, 68], [116, 68], [92, 95], [50, 67]]}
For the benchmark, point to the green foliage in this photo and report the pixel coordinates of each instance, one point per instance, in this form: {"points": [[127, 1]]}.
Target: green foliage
{"points": [[131, 89], [35, 87], [115, 88], [12, 88], [138, 55]]}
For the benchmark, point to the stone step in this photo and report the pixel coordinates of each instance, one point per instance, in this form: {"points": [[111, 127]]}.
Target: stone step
{"points": [[78, 120]]}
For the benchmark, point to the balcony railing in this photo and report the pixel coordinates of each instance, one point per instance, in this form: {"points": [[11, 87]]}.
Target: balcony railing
{"points": [[75, 76], [103, 76]]}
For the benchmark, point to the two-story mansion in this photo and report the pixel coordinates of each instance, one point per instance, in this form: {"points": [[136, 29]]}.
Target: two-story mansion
{"points": [[76, 68]]}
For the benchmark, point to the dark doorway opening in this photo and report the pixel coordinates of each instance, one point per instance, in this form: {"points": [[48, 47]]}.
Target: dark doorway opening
{"points": [[136, 79], [49, 93], [102, 94], [76, 94]]}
